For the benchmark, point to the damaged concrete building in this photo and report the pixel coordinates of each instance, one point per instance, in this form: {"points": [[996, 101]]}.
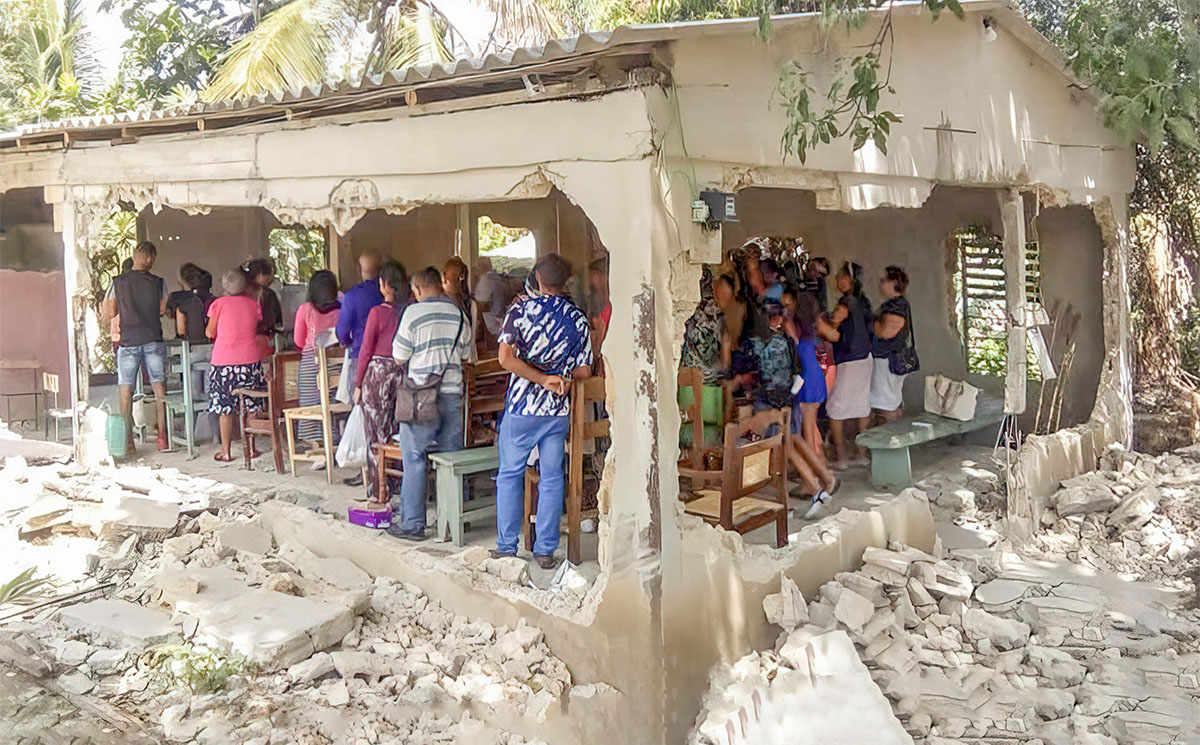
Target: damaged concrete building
{"points": [[602, 143]]}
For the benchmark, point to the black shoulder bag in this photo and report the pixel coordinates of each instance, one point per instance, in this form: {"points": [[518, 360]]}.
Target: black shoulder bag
{"points": [[418, 404], [905, 361]]}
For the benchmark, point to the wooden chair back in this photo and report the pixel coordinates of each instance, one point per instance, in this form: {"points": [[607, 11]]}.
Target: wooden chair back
{"points": [[485, 383], [750, 465], [49, 382]]}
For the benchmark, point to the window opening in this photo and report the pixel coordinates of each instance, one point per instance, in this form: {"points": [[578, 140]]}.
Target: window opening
{"points": [[298, 253], [981, 306]]}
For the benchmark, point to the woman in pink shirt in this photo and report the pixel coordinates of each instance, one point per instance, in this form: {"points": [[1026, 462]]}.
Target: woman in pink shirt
{"points": [[377, 374], [319, 313], [232, 322]]}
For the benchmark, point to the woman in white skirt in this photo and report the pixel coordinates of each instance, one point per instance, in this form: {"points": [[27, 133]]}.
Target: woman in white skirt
{"points": [[892, 349], [849, 329]]}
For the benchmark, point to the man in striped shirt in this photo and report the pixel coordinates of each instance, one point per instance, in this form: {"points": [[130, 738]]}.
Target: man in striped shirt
{"points": [[434, 338]]}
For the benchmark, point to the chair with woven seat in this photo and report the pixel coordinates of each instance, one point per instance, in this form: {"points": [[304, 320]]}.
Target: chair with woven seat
{"points": [[281, 371], [752, 484], [581, 434], [50, 408], [324, 412]]}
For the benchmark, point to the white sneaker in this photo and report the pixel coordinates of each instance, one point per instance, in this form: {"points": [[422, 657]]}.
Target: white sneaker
{"points": [[820, 499]]}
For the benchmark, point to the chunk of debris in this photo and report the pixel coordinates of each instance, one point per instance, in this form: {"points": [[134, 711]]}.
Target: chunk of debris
{"points": [[119, 623]]}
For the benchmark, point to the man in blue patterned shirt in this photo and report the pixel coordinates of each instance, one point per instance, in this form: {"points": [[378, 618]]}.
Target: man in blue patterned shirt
{"points": [[545, 342]]}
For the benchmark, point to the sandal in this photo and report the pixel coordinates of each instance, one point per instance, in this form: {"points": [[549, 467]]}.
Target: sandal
{"points": [[222, 457]]}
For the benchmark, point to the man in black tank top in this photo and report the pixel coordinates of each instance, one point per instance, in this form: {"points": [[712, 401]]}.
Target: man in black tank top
{"points": [[138, 300]]}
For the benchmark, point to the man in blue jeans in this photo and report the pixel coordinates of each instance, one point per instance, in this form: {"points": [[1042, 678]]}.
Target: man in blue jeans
{"points": [[138, 299], [434, 338], [545, 342]]}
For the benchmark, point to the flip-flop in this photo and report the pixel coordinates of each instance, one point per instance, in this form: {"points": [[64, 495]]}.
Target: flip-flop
{"points": [[222, 458]]}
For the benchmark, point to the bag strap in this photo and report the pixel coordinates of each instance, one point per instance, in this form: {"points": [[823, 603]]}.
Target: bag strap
{"points": [[462, 319]]}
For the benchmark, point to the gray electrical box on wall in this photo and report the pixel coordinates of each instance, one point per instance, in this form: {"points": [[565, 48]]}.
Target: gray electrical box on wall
{"points": [[722, 206]]}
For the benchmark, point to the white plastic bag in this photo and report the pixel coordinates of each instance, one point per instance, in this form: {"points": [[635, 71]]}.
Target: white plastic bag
{"points": [[352, 450]]}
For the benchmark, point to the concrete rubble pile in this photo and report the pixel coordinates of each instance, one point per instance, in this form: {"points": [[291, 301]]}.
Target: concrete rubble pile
{"points": [[1091, 635], [963, 656], [214, 633], [1136, 515]]}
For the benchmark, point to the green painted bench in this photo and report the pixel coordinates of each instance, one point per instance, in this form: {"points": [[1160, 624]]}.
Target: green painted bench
{"points": [[891, 467], [451, 469]]}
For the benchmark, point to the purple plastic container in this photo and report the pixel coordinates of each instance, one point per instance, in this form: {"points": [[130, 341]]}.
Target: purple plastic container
{"points": [[368, 515]]}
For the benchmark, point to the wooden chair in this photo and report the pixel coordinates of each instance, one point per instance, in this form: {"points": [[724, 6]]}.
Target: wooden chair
{"points": [[750, 466], [584, 394], [50, 390], [281, 371], [485, 383], [323, 412]]}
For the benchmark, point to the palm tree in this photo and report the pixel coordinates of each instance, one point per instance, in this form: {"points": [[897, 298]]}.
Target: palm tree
{"points": [[305, 41], [52, 59]]}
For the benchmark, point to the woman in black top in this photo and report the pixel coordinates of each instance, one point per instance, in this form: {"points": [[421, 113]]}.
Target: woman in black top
{"points": [[850, 331], [893, 337]]}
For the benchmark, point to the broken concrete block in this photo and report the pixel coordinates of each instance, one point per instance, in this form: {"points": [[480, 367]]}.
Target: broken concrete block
{"points": [[76, 683], [863, 585], [335, 570], [472, 557], [1143, 726], [1095, 496], [853, 611], [317, 666], [1001, 632], [366, 664], [72, 653], [1053, 704], [108, 661], [1046, 612], [510, 569], [243, 536], [275, 630], [119, 623], [1136, 509], [1000, 594], [919, 595], [181, 546], [786, 608], [336, 693], [1057, 667], [130, 512]]}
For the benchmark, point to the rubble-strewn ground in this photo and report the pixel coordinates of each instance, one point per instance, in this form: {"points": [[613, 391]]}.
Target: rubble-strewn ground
{"points": [[193, 625], [1090, 635]]}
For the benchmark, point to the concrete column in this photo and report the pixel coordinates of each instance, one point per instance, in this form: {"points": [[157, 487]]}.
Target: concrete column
{"points": [[1012, 217], [463, 248], [72, 224]]}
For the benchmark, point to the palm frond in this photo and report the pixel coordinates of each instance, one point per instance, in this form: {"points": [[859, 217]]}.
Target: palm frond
{"points": [[414, 37], [290, 48], [22, 586], [524, 21]]}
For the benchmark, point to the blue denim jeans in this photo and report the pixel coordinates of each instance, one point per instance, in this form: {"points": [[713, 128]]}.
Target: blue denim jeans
{"points": [[129, 359], [417, 441], [518, 436]]}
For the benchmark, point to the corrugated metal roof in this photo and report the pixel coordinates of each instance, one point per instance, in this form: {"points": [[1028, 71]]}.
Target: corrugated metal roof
{"points": [[526, 59]]}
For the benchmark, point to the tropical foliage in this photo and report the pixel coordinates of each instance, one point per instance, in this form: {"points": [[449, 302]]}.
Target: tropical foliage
{"points": [[47, 70], [306, 41]]}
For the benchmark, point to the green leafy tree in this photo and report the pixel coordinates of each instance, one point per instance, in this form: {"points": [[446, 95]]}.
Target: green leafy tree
{"points": [[172, 47]]}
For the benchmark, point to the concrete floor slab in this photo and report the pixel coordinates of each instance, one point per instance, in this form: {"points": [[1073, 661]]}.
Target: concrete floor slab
{"points": [[120, 623], [274, 630]]}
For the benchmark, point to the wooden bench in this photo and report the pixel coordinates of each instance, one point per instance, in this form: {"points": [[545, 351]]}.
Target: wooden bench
{"points": [[452, 468], [891, 467]]}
